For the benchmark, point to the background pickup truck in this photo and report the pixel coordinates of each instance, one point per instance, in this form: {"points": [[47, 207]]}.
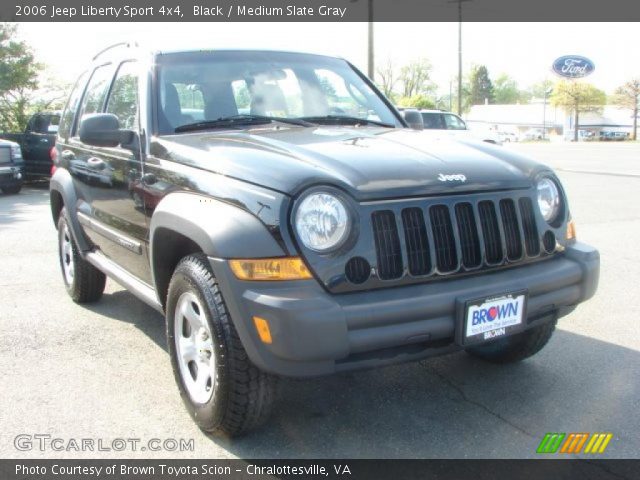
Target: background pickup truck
{"points": [[36, 142]]}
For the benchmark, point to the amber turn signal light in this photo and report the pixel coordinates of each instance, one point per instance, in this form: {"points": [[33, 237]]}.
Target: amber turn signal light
{"points": [[275, 269], [262, 326], [571, 230]]}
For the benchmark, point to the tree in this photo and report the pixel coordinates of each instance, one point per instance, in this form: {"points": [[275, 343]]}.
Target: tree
{"points": [[577, 97], [417, 101], [386, 78], [506, 91], [481, 86], [537, 90], [628, 95], [466, 94], [415, 79], [18, 77]]}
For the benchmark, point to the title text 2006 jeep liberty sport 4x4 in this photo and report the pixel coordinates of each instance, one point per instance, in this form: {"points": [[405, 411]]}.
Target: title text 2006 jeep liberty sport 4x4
{"points": [[288, 222]]}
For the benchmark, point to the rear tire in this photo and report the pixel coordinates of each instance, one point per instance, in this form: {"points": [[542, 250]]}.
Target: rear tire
{"points": [[224, 392], [12, 190], [84, 282], [516, 347]]}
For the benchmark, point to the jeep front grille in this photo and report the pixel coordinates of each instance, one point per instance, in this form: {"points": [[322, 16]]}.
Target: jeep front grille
{"points": [[469, 240], [387, 244], [443, 238], [415, 233], [454, 237], [531, 238]]}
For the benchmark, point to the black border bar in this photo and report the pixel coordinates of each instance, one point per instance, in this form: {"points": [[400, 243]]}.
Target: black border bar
{"points": [[320, 10], [560, 469]]}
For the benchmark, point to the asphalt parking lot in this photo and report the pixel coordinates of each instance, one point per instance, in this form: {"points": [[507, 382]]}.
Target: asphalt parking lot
{"points": [[103, 371]]}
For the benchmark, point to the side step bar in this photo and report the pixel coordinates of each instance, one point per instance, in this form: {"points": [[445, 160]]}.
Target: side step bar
{"points": [[140, 289]]}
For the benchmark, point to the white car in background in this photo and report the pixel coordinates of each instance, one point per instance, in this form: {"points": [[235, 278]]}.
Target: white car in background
{"points": [[533, 134], [508, 137]]}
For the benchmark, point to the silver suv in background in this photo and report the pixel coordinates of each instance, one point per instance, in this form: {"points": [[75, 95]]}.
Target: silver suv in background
{"points": [[453, 124]]}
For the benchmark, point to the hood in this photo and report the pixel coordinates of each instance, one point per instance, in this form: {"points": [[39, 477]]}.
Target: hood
{"points": [[368, 163]]}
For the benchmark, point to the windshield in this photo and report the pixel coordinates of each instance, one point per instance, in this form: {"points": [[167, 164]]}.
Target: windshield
{"points": [[201, 87]]}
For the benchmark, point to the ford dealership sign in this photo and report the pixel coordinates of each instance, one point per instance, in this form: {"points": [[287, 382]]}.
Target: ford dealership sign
{"points": [[573, 66]]}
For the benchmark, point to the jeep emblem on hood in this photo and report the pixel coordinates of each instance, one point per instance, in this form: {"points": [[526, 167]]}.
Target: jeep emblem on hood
{"points": [[458, 177]]}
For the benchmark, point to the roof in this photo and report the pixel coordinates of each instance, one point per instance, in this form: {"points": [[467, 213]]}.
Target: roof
{"points": [[133, 46], [523, 115], [531, 115]]}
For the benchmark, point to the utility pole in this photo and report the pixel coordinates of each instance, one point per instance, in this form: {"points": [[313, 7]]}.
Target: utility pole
{"points": [[371, 67], [459, 2]]}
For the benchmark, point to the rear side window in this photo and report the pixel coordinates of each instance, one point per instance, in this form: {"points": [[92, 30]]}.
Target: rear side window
{"points": [[432, 121], [66, 122], [123, 99], [454, 122], [96, 90]]}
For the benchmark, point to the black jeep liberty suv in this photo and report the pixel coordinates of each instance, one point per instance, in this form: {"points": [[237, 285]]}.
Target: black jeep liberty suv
{"points": [[289, 221]]}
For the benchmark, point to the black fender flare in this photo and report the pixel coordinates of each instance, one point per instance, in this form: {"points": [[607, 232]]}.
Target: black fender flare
{"points": [[220, 229], [62, 183]]}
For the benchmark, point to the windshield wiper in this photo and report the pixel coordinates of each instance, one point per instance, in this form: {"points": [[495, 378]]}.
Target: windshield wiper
{"points": [[345, 120], [239, 120]]}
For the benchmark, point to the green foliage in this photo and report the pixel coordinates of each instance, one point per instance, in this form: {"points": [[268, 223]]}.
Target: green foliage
{"points": [[190, 96], [327, 87], [415, 78], [506, 91], [18, 77], [481, 86], [537, 90], [417, 101], [386, 78], [466, 95], [243, 97], [123, 101], [578, 96], [628, 96]]}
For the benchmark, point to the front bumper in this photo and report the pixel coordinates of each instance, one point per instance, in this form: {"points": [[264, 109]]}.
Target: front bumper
{"points": [[10, 175], [317, 333]]}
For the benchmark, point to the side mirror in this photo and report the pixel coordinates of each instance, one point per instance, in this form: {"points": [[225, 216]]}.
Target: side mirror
{"points": [[414, 119], [100, 130]]}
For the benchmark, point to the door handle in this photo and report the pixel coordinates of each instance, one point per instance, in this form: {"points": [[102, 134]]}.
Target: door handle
{"points": [[96, 163]]}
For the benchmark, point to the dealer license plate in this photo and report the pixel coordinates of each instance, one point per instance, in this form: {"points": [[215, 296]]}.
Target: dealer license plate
{"points": [[493, 317]]}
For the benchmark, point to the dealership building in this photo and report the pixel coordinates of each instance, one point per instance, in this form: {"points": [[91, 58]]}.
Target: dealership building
{"points": [[557, 122]]}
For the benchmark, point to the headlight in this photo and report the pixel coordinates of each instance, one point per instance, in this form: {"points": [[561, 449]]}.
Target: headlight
{"points": [[548, 199], [322, 221]]}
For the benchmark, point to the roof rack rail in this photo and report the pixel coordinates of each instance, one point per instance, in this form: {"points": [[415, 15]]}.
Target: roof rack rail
{"points": [[116, 45]]}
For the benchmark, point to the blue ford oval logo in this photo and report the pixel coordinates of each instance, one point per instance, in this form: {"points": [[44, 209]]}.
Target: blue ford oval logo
{"points": [[573, 66]]}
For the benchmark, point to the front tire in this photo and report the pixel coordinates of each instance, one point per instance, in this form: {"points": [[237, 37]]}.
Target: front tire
{"points": [[515, 347], [224, 392], [84, 282]]}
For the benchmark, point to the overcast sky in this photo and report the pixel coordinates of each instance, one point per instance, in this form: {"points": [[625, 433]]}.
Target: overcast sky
{"points": [[523, 50]]}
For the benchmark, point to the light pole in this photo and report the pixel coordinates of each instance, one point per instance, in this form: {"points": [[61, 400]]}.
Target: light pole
{"points": [[547, 92]]}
